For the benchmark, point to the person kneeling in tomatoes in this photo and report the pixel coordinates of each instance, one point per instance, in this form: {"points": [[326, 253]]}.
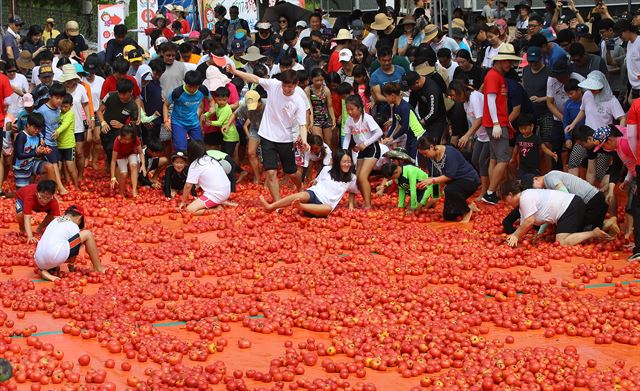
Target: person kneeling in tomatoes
{"points": [[36, 198], [61, 243]]}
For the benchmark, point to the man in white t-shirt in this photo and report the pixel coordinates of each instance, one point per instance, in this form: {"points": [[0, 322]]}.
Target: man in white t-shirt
{"points": [[629, 33], [61, 243], [284, 123], [537, 207]]}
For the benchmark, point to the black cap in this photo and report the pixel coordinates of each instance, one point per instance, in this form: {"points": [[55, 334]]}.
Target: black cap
{"points": [[560, 68], [474, 29], [51, 43], [17, 20], [409, 79], [91, 64]]}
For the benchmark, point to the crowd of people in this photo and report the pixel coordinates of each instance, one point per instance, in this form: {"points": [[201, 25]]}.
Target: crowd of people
{"points": [[539, 109]]}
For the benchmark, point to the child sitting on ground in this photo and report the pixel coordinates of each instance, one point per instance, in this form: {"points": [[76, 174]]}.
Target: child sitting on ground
{"points": [[175, 176], [207, 173], [61, 243], [65, 137], [29, 152], [127, 155], [407, 178], [154, 161]]}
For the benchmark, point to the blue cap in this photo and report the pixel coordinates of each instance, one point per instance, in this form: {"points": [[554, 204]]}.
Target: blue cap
{"points": [[549, 35], [534, 54], [237, 46], [80, 70]]}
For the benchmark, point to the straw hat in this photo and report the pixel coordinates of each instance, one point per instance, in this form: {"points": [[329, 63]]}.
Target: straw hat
{"points": [[507, 52], [424, 69], [253, 54], [169, 7], [343, 35], [456, 23], [178, 8], [381, 22], [25, 61], [69, 73], [155, 19], [408, 20], [72, 28], [430, 32]]}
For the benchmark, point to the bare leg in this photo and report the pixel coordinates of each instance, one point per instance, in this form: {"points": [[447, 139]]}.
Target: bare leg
{"points": [[133, 171], [90, 246], [315, 209], [48, 276], [272, 184], [574, 171], [72, 170], [252, 154], [56, 177], [122, 182], [327, 136], [484, 185], [579, 237], [297, 182], [20, 220], [467, 216], [363, 171], [197, 207], [303, 196], [80, 158]]}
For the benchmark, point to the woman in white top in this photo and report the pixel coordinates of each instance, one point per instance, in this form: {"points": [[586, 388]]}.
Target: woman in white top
{"points": [[537, 207], [328, 188], [207, 173], [20, 86], [493, 36], [365, 132], [473, 101], [61, 243]]}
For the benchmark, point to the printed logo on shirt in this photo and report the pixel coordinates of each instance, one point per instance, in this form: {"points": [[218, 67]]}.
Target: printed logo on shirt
{"points": [[125, 112], [525, 147]]}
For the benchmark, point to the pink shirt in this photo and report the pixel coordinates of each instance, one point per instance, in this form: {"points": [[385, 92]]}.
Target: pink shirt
{"points": [[625, 153]]}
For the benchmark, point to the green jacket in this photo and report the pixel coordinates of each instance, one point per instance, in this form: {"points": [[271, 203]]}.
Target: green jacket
{"points": [[407, 182]]}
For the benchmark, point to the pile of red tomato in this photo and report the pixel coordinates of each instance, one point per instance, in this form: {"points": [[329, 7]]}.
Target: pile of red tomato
{"points": [[386, 292]]}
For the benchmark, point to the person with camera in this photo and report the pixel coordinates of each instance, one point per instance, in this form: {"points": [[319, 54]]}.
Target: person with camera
{"points": [[597, 14]]}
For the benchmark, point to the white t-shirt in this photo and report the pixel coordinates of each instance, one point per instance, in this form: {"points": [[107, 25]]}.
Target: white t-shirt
{"points": [[366, 131], [451, 69], [312, 157], [210, 176], [489, 54], [14, 101], [633, 63], [370, 41], [599, 115], [555, 90], [283, 114], [474, 109], [53, 248], [80, 98], [547, 206], [35, 79], [330, 192], [96, 88]]}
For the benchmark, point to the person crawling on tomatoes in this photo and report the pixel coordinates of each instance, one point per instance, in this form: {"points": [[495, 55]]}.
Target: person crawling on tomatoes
{"points": [[61, 243]]}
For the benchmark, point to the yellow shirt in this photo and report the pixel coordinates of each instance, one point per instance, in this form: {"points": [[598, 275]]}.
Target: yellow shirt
{"points": [[46, 35]]}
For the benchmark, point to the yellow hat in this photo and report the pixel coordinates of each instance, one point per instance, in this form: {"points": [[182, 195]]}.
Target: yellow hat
{"points": [[251, 99]]}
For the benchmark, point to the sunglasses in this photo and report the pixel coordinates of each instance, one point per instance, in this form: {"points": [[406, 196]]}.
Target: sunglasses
{"points": [[282, 21]]}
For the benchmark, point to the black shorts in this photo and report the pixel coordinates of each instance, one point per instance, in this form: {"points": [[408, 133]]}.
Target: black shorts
{"points": [[213, 138], [80, 137], [274, 153], [595, 211], [572, 219], [67, 154], [371, 152], [53, 156], [74, 246], [313, 198]]}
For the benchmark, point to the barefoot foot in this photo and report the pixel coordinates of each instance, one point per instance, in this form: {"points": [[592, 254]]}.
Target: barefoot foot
{"points": [[265, 204]]}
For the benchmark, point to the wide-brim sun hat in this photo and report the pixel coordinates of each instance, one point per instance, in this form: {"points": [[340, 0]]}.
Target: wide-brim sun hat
{"points": [[381, 22], [69, 73], [25, 60], [408, 20], [591, 84], [253, 54], [343, 35], [430, 32], [506, 53]]}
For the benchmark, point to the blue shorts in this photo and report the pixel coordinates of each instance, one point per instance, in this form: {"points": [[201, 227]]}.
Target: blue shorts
{"points": [[179, 135], [23, 175], [313, 199], [53, 156], [19, 206]]}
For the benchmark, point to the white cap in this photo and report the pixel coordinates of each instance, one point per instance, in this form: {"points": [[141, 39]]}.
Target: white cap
{"points": [[345, 55], [301, 23]]}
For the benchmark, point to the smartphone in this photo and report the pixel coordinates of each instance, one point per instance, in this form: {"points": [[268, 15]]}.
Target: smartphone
{"points": [[436, 191]]}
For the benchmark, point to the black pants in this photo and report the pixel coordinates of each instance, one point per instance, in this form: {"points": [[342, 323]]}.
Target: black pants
{"points": [[150, 132], [456, 193], [596, 210], [235, 168]]}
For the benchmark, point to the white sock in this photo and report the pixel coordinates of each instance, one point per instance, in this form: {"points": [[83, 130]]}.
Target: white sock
{"points": [[489, 192]]}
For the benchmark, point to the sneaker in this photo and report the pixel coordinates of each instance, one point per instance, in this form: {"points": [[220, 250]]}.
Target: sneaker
{"points": [[634, 257], [491, 199]]}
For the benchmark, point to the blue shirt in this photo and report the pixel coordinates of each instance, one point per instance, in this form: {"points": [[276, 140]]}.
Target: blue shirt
{"points": [[556, 54], [379, 78], [51, 123], [455, 167], [25, 150], [570, 112], [185, 105]]}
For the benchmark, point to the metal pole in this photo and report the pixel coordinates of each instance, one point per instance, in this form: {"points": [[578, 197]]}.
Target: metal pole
{"points": [[449, 14]]}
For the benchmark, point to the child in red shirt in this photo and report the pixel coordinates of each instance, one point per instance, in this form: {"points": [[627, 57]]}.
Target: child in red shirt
{"points": [[127, 155]]}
